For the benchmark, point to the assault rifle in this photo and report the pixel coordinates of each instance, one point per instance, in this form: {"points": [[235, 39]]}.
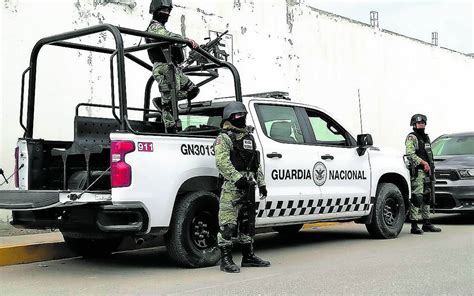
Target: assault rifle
{"points": [[432, 185], [247, 211], [212, 46]]}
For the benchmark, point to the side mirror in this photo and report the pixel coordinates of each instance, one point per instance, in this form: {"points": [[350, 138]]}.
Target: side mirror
{"points": [[364, 140]]}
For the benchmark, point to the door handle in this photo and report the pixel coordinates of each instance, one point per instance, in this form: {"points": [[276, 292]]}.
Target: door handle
{"points": [[327, 156], [274, 154]]}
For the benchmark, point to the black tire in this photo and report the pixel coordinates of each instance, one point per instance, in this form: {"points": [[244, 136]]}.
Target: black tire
{"points": [[388, 212], [288, 230], [93, 248], [191, 239]]}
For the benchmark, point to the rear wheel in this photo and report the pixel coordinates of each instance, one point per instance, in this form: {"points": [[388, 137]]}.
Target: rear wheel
{"points": [[93, 248], [388, 212], [191, 239], [288, 229]]}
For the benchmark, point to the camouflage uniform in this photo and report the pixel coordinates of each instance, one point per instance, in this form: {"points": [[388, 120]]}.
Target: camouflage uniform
{"points": [[228, 214], [417, 183], [161, 73]]}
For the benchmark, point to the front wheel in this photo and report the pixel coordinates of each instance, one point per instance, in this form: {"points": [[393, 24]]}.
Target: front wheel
{"points": [[388, 212], [191, 239]]}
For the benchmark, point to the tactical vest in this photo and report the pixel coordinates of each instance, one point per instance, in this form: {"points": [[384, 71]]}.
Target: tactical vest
{"points": [[423, 150], [156, 54], [244, 155]]}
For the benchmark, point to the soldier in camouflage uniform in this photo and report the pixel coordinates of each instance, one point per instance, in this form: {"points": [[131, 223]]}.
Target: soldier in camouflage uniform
{"points": [[418, 151], [238, 163], [185, 88]]}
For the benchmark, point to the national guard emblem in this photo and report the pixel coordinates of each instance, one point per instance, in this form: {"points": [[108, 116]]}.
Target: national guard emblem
{"points": [[319, 173]]}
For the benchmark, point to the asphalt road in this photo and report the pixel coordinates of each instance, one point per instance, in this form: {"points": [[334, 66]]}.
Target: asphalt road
{"points": [[334, 260]]}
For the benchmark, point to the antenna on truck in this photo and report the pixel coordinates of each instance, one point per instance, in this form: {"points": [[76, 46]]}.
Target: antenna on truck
{"points": [[360, 111]]}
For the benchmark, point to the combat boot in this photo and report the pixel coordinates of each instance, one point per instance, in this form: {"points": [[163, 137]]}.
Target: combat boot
{"points": [[415, 229], [250, 260], [227, 264], [428, 227]]}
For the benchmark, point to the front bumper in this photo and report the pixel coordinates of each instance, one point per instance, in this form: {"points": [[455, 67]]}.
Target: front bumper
{"points": [[454, 196]]}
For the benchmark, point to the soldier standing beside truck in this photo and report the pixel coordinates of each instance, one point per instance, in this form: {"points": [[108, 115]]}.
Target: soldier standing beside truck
{"points": [[162, 71], [418, 151], [238, 163]]}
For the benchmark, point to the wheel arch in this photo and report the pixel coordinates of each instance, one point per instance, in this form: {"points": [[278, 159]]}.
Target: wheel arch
{"points": [[396, 179], [399, 181], [200, 183], [194, 184]]}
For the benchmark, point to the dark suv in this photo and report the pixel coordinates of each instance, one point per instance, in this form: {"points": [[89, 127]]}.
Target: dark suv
{"points": [[454, 170]]}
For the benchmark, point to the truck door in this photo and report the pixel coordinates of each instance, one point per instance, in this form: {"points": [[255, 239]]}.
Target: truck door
{"points": [[344, 176], [288, 174]]}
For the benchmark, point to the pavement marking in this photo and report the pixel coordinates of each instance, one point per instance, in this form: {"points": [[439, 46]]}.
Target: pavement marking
{"points": [[19, 254]]}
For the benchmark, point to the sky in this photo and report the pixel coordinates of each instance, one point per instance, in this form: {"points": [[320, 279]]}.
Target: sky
{"points": [[452, 19]]}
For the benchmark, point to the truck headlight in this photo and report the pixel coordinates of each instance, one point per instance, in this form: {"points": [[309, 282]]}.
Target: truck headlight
{"points": [[466, 173]]}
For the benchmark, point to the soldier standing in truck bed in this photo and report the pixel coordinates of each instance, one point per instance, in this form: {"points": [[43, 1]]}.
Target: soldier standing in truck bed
{"points": [[185, 88]]}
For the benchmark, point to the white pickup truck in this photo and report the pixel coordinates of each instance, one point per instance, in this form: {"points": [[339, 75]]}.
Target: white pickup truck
{"points": [[121, 178]]}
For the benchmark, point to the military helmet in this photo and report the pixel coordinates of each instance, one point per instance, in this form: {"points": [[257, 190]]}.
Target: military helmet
{"points": [[233, 108], [418, 118], [157, 4]]}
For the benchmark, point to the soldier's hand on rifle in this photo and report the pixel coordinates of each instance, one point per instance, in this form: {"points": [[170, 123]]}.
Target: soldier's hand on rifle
{"points": [[242, 183], [194, 44], [426, 166], [263, 191]]}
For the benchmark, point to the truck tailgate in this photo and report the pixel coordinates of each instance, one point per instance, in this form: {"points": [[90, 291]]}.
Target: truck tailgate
{"points": [[28, 199]]}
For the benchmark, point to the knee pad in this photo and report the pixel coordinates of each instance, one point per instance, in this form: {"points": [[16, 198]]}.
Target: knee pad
{"points": [[416, 199], [228, 231]]}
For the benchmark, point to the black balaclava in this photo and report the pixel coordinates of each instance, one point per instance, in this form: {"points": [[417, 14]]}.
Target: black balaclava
{"points": [[161, 17], [420, 131], [239, 122]]}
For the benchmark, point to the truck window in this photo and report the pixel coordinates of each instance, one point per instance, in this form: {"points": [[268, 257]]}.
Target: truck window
{"points": [[280, 123], [199, 121], [326, 131]]}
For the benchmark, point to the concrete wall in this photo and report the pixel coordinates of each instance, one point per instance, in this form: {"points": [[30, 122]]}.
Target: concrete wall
{"points": [[318, 57]]}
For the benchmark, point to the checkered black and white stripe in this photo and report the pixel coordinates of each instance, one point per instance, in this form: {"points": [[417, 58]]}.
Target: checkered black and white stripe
{"points": [[311, 207]]}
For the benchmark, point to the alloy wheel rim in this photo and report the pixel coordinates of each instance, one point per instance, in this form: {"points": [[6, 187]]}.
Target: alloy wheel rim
{"points": [[202, 232], [390, 211]]}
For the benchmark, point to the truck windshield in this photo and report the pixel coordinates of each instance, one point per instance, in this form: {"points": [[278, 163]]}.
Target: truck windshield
{"points": [[454, 145]]}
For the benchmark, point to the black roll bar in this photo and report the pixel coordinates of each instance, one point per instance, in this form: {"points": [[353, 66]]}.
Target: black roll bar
{"points": [[69, 35], [78, 106], [112, 87], [120, 52], [101, 50], [146, 101], [22, 98]]}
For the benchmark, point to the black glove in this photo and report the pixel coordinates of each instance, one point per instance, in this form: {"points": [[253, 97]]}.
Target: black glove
{"points": [[242, 183], [263, 190]]}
